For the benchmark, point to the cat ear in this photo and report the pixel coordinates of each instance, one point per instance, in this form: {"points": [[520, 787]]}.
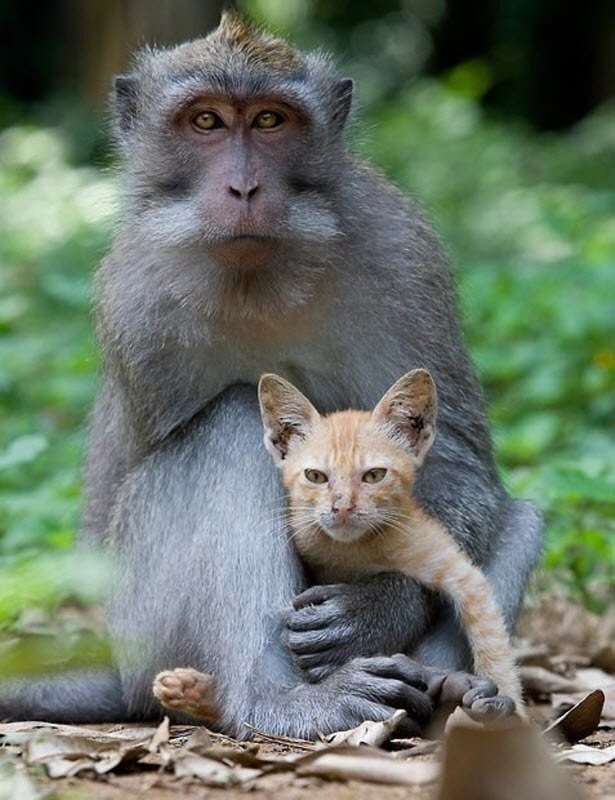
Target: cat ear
{"points": [[287, 415], [408, 412]]}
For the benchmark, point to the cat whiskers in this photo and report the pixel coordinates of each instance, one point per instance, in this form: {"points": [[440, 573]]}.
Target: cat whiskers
{"points": [[303, 521]]}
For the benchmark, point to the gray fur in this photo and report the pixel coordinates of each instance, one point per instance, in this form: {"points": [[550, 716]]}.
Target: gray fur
{"points": [[178, 480]]}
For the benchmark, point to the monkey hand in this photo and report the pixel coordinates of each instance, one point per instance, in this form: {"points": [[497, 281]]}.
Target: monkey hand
{"points": [[329, 625], [478, 696], [374, 688]]}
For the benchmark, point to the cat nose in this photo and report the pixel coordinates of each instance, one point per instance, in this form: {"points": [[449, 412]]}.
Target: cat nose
{"points": [[342, 511]]}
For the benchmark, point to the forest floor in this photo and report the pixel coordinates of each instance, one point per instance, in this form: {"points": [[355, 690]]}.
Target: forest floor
{"points": [[568, 662]]}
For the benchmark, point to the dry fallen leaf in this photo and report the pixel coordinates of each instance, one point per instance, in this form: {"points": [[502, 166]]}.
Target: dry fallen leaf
{"points": [[375, 766], [160, 737], [369, 733], [584, 754], [593, 678], [122, 732], [64, 755], [579, 721], [207, 770]]}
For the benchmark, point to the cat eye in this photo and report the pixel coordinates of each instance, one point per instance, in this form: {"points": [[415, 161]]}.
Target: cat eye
{"points": [[374, 475], [315, 476], [206, 121], [267, 120]]}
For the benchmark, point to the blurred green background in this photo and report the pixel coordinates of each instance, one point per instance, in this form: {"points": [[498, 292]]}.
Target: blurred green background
{"points": [[495, 115]]}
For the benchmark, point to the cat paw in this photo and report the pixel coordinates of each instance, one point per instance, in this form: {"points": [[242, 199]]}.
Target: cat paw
{"points": [[188, 691]]}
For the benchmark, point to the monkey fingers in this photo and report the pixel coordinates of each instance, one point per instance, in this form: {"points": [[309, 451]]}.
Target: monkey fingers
{"points": [[382, 613], [396, 682], [488, 708], [316, 595], [311, 617], [312, 653], [477, 695], [483, 701]]}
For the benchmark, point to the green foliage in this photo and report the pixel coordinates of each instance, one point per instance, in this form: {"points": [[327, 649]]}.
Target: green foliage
{"points": [[54, 224], [530, 224]]}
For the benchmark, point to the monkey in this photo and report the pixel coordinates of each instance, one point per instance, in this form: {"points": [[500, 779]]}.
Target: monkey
{"points": [[251, 239]]}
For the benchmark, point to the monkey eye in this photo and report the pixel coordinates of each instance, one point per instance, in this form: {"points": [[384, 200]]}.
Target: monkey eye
{"points": [[267, 119], [374, 475], [315, 476], [206, 121]]}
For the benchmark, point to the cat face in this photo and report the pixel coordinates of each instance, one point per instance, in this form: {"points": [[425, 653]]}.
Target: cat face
{"points": [[347, 473], [347, 477]]}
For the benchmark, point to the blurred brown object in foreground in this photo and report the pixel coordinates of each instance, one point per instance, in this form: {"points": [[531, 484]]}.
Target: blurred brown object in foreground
{"points": [[508, 763]]}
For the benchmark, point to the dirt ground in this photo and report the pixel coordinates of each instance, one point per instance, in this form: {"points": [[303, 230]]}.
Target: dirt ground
{"points": [[566, 655], [593, 782]]}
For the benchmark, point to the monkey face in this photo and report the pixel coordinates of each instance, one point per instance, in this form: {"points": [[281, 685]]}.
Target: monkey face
{"points": [[232, 150], [245, 155], [232, 143]]}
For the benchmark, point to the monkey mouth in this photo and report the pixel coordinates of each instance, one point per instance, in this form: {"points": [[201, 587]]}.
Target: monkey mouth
{"points": [[245, 252]]}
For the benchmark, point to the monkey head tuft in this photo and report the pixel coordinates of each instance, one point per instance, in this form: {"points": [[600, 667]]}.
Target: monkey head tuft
{"points": [[236, 43]]}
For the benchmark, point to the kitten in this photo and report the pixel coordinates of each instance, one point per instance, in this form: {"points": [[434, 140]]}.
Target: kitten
{"points": [[349, 479]]}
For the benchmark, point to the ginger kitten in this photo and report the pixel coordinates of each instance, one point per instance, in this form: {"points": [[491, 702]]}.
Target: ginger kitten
{"points": [[349, 479]]}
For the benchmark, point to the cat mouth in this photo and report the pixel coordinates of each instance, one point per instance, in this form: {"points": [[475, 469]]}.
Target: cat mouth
{"points": [[344, 531]]}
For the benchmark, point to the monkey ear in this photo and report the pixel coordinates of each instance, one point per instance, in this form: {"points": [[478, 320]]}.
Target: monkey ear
{"points": [[287, 415], [408, 412], [343, 101], [125, 91]]}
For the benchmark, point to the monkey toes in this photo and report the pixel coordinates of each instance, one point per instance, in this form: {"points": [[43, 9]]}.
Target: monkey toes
{"points": [[188, 691]]}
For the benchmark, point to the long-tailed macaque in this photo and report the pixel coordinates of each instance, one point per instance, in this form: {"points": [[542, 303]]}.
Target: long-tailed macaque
{"points": [[252, 241]]}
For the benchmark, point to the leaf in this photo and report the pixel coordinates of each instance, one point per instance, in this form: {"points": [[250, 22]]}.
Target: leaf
{"points": [[66, 755], [369, 733], [23, 450], [581, 720], [161, 736], [209, 771], [584, 754], [604, 657], [375, 766], [593, 678]]}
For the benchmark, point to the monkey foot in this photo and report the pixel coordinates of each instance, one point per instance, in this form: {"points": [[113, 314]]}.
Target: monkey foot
{"points": [[188, 691]]}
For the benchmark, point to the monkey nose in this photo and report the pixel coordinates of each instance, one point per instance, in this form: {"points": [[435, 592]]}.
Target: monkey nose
{"points": [[243, 190]]}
